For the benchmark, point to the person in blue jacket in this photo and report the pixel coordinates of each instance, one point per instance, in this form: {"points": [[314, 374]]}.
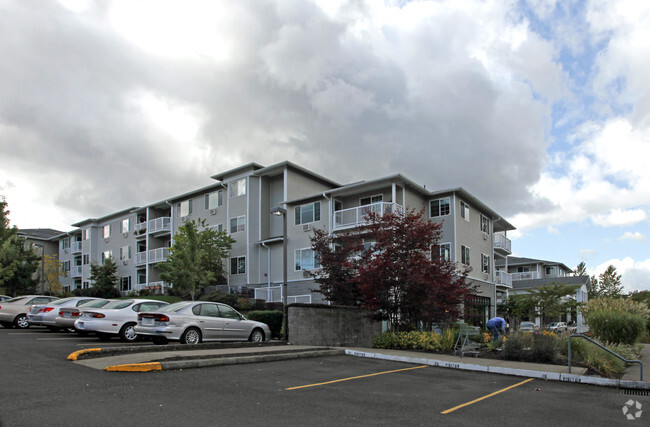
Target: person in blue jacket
{"points": [[494, 325]]}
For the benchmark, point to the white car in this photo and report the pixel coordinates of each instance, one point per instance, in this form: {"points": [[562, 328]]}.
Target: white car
{"points": [[13, 312], [192, 322], [45, 315], [558, 326], [68, 315], [116, 318]]}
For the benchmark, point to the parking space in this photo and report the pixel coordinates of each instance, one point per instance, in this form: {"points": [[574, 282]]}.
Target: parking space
{"points": [[340, 390]]}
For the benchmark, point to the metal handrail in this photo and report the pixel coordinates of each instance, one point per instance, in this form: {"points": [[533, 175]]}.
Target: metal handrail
{"points": [[604, 348]]}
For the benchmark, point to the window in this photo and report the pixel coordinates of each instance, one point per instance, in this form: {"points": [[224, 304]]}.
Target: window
{"points": [[125, 284], [485, 263], [126, 225], [66, 243], [86, 259], [106, 231], [125, 252], [440, 207], [523, 269], [85, 234], [185, 208], [442, 250], [85, 285], [238, 265], [485, 224], [550, 271], [237, 224], [370, 200], [106, 255], [238, 188], [65, 265], [464, 211], [464, 254], [307, 213], [305, 259], [227, 312], [213, 200]]}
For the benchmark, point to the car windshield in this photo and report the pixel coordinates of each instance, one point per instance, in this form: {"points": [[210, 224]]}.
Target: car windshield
{"points": [[119, 304], [173, 308], [527, 324], [15, 299], [95, 303], [61, 301]]}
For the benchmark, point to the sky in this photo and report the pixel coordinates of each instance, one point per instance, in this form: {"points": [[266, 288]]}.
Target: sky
{"points": [[541, 109]]}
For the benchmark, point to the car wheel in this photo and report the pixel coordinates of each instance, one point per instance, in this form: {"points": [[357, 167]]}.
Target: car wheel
{"points": [[256, 336], [7, 325], [103, 337], [127, 333], [21, 321], [191, 336], [159, 340]]}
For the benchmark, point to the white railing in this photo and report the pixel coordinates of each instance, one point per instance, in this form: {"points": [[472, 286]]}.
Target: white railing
{"points": [[76, 247], [502, 242], [140, 227], [76, 271], [503, 278], [160, 224], [158, 255], [140, 258], [525, 275], [156, 287], [274, 294], [357, 216]]}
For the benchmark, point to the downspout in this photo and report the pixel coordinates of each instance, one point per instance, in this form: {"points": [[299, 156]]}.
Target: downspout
{"points": [[330, 214], [171, 232], [494, 265], [268, 269]]}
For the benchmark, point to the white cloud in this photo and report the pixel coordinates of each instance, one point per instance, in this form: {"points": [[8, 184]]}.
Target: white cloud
{"points": [[620, 217], [635, 275], [637, 237]]}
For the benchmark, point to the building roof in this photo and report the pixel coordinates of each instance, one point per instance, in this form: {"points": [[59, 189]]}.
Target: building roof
{"points": [[278, 167], [537, 283], [90, 221], [253, 166], [39, 233], [513, 261]]}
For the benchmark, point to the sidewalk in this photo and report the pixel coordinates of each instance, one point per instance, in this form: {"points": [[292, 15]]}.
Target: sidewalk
{"points": [[633, 371]]}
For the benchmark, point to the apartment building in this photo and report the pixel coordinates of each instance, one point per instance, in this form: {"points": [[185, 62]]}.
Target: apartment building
{"points": [[241, 202], [527, 274]]}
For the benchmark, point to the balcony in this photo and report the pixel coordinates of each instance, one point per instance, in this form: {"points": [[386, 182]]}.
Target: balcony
{"points": [[140, 258], [140, 228], [76, 247], [155, 287], [349, 218], [158, 255], [527, 275], [76, 271], [503, 279], [502, 244], [160, 225]]}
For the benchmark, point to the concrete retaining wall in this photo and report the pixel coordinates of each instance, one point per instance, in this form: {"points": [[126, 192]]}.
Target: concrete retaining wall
{"points": [[331, 326]]}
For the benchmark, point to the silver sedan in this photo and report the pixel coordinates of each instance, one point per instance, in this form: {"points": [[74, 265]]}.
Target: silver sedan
{"points": [[68, 315], [45, 315], [192, 322]]}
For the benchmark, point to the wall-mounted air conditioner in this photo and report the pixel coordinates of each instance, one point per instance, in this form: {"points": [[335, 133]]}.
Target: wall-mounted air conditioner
{"points": [[306, 227], [306, 273], [213, 211], [106, 239], [183, 218], [125, 234]]}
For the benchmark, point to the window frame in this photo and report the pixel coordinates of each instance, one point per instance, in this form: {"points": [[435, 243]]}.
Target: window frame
{"points": [[240, 263], [485, 268], [371, 202], [464, 211], [465, 257], [125, 253], [216, 196], [237, 187], [298, 213], [485, 224], [298, 257], [240, 226], [439, 248], [106, 231], [440, 207]]}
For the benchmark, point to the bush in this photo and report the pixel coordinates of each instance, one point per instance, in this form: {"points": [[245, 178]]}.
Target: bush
{"points": [[517, 346], [616, 327], [448, 339], [537, 347], [413, 340], [272, 318], [597, 359]]}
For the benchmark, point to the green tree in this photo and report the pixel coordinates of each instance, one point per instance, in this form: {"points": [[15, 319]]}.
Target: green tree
{"points": [[580, 270], [520, 307], [608, 284], [104, 278], [18, 260], [554, 300], [53, 271], [196, 258]]}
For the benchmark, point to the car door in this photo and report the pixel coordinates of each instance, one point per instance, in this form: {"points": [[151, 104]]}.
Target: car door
{"points": [[233, 327], [207, 317]]}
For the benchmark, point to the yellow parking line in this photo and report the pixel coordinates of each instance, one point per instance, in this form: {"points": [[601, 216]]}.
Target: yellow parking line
{"points": [[135, 367], [485, 397], [354, 378]]}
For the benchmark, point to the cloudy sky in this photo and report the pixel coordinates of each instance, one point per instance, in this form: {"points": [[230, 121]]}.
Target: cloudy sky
{"points": [[539, 108]]}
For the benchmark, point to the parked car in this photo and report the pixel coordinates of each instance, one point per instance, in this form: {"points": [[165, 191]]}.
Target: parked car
{"points": [[13, 312], [68, 315], [557, 326], [192, 322], [527, 327], [45, 315], [116, 318], [4, 297]]}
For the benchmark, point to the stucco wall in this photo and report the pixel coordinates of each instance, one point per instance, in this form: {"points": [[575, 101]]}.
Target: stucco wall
{"points": [[331, 326]]}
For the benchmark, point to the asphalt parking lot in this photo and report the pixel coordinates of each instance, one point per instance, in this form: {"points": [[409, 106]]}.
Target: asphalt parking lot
{"points": [[39, 386]]}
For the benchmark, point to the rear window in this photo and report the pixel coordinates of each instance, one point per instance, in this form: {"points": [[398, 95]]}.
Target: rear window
{"points": [[173, 308], [119, 304], [95, 304], [15, 299], [61, 301]]}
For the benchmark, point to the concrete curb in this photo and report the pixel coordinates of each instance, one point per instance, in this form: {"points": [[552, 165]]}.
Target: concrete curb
{"points": [[219, 361], [551, 376]]}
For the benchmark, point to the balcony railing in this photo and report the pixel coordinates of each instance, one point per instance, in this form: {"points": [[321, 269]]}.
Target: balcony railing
{"points": [[503, 279], [156, 287], [501, 242], [527, 275], [76, 247], [160, 224], [140, 258], [158, 255], [140, 227], [353, 217], [76, 271]]}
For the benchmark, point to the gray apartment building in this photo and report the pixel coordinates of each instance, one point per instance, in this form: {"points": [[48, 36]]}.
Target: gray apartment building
{"points": [[240, 202]]}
